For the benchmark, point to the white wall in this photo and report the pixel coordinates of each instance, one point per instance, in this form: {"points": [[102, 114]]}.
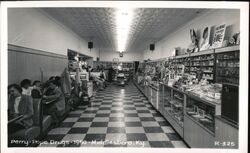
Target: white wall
{"points": [[181, 37], [127, 56], [33, 28]]}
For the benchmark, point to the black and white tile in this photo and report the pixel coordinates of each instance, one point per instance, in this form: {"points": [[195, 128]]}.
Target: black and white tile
{"points": [[116, 117]]}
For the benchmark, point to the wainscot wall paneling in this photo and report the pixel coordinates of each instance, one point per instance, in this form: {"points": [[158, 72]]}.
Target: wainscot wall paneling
{"points": [[33, 64]]}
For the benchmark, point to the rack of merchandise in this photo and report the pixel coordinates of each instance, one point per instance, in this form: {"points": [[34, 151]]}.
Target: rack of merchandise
{"points": [[128, 69], [219, 65], [127, 65], [194, 110], [149, 71], [105, 64], [108, 64], [193, 62], [182, 60], [120, 67], [204, 61], [147, 80], [227, 65]]}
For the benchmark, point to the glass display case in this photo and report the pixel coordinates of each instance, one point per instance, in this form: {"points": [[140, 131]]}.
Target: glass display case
{"points": [[174, 105], [161, 98], [154, 96], [202, 112], [167, 97]]}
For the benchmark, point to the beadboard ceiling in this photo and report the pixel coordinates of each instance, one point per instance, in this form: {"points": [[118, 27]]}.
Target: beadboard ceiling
{"points": [[98, 24]]}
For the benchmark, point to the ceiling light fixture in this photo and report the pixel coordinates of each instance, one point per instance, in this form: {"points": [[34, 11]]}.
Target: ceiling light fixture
{"points": [[124, 18]]}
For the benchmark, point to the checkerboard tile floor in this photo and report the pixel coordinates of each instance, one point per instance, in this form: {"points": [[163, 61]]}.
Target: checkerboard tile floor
{"points": [[115, 117]]}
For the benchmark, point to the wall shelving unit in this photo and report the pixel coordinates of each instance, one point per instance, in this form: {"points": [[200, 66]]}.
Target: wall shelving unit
{"points": [[216, 64], [195, 119]]}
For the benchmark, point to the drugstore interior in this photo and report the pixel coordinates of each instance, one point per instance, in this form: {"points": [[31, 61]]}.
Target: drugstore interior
{"points": [[141, 77]]}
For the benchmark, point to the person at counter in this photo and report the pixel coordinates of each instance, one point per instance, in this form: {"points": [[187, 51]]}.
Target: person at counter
{"points": [[110, 74], [19, 106], [102, 75], [55, 102], [103, 78], [98, 68]]}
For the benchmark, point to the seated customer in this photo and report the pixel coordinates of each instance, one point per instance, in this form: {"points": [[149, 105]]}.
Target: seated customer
{"points": [[26, 87], [98, 81], [103, 78], [56, 107], [19, 104], [58, 78], [46, 90], [102, 75], [52, 78], [36, 91], [110, 74]]}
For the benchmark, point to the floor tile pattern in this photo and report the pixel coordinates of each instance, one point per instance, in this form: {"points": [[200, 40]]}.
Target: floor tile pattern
{"points": [[116, 117]]}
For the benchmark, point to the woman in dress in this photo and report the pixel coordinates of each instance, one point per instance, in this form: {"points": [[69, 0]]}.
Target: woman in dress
{"points": [[19, 105]]}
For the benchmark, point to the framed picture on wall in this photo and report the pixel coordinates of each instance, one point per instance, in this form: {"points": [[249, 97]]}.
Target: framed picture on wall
{"points": [[204, 41], [219, 36]]}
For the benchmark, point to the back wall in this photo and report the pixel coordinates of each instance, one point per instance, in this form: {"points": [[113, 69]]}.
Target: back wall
{"points": [[127, 56]]}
